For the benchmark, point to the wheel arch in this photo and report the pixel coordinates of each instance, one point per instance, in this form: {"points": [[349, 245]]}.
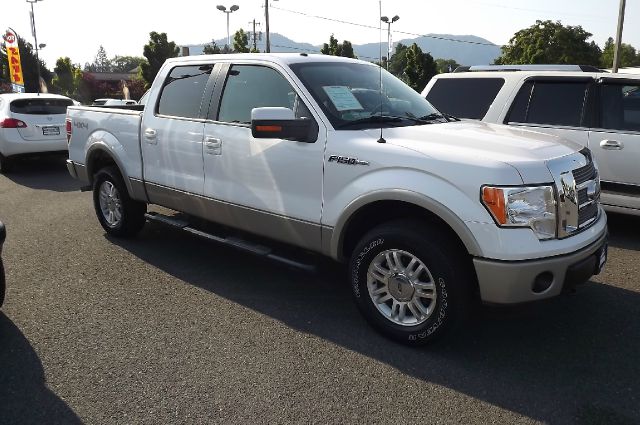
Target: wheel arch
{"points": [[99, 155], [365, 213]]}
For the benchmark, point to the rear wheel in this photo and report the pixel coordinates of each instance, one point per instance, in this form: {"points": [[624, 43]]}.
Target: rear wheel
{"points": [[411, 281], [5, 164], [118, 214]]}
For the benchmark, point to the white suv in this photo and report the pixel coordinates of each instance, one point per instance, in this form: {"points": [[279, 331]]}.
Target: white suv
{"points": [[31, 123], [596, 109]]}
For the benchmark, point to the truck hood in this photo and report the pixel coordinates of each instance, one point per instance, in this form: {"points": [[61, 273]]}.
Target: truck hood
{"points": [[478, 139]]}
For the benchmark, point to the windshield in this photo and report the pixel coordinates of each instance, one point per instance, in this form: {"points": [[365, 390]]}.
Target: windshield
{"points": [[357, 95]]}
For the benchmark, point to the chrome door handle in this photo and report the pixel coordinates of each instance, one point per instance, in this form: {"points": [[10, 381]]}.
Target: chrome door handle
{"points": [[151, 136], [213, 146], [611, 145]]}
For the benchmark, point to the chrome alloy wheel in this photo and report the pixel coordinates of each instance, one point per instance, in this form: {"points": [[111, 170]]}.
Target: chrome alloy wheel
{"points": [[401, 287], [110, 203]]}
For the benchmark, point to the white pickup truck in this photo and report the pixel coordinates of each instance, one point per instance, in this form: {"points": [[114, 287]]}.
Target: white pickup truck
{"points": [[337, 157]]}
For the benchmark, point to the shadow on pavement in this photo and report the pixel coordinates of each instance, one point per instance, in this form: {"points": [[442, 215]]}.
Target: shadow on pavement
{"points": [[24, 396], [624, 231], [47, 172], [573, 359]]}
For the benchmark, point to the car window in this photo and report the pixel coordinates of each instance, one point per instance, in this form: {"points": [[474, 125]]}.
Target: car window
{"points": [[183, 90], [250, 86], [465, 97], [620, 107], [40, 106], [550, 102]]}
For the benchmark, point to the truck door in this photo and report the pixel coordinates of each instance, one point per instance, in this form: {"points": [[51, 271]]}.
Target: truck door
{"points": [[172, 134], [615, 142], [271, 187]]}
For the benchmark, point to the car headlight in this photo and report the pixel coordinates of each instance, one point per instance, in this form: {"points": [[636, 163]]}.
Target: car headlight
{"points": [[525, 206]]}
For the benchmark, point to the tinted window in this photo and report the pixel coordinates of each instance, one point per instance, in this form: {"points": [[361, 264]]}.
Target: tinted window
{"points": [[42, 106], [465, 97], [550, 102], [251, 87], [620, 107], [182, 92]]}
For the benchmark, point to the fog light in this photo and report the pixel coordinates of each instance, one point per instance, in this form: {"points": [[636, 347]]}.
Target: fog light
{"points": [[542, 282]]}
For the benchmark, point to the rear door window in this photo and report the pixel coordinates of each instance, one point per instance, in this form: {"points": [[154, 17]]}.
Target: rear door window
{"points": [[41, 106], [620, 107], [550, 103], [183, 91], [465, 97]]}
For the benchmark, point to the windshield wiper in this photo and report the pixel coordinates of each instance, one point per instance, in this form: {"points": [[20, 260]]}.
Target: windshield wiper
{"points": [[434, 116], [373, 119]]}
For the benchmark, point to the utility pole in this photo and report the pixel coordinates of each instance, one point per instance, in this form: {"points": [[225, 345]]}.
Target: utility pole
{"points": [[266, 24], [255, 35], [616, 54]]}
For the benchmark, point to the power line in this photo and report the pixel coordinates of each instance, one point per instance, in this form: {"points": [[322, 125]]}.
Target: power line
{"points": [[435, 37]]}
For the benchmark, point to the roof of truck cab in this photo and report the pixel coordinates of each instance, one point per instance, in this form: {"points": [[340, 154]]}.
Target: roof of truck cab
{"points": [[280, 58]]}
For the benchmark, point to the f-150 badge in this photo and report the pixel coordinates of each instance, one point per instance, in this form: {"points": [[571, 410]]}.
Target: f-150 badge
{"points": [[347, 160]]}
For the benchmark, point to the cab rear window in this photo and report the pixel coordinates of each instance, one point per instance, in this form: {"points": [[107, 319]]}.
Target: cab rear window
{"points": [[465, 97], [40, 106]]}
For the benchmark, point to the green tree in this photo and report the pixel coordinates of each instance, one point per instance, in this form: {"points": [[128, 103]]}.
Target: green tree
{"points": [[628, 55], [334, 48], [211, 49], [67, 78], [398, 60], [241, 41], [548, 42], [446, 65], [101, 63], [30, 67], [157, 51], [126, 63], [420, 68]]}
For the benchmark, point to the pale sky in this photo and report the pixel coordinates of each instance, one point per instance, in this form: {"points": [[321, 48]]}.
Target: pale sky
{"points": [[76, 28]]}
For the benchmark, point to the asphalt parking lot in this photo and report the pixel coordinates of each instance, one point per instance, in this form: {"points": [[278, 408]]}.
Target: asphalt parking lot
{"points": [[168, 328]]}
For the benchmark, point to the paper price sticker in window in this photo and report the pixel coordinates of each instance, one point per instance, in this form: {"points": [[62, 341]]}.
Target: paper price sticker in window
{"points": [[342, 98]]}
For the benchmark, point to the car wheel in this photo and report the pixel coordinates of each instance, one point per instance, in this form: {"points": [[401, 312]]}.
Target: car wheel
{"points": [[3, 287], [411, 281], [5, 164], [118, 214]]}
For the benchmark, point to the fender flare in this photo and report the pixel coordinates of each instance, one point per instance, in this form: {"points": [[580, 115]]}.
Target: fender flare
{"points": [[336, 241]]}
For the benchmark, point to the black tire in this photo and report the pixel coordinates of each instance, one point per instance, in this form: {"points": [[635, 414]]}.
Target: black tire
{"points": [[448, 270], [6, 164], [3, 287], [131, 212]]}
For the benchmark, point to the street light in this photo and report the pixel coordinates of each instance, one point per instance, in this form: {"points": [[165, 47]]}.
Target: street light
{"points": [[228, 12], [33, 31], [389, 22]]}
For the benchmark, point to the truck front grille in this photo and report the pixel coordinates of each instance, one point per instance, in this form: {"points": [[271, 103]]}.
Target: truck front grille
{"points": [[578, 188]]}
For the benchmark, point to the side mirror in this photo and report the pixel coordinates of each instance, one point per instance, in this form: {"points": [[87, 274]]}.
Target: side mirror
{"points": [[281, 123]]}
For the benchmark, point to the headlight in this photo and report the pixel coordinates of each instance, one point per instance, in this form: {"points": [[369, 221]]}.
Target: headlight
{"points": [[528, 206]]}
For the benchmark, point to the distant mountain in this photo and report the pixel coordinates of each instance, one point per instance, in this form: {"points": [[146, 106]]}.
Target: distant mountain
{"points": [[469, 50], [465, 49]]}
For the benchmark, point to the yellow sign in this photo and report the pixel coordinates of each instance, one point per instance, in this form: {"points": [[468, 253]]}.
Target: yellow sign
{"points": [[13, 56]]}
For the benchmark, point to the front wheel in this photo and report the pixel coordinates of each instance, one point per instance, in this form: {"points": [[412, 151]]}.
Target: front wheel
{"points": [[410, 281], [118, 214]]}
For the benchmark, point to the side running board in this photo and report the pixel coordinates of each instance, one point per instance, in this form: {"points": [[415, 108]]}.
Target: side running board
{"points": [[232, 241]]}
